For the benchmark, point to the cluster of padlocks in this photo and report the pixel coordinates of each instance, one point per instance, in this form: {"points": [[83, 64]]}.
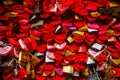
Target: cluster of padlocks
{"points": [[60, 39]]}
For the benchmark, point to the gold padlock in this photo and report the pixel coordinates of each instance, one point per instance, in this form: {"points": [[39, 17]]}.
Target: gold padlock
{"points": [[25, 3], [28, 68], [84, 28], [34, 60], [110, 32], [33, 74], [116, 62], [24, 57], [68, 53], [35, 37], [7, 2], [79, 33], [114, 4], [109, 73], [11, 14], [70, 39], [76, 17], [86, 72], [53, 74], [68, 69], [95, 14]]}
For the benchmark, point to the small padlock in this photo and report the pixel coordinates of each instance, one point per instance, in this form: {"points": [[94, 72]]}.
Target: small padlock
{"points": [[37, 8], [109, 73], [15, 71], [37, 24], [94, 76]]}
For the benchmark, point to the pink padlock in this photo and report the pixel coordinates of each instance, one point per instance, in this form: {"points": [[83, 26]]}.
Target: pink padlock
{"points": [[59, 71], [1, 43], [15, 52], [102, 32], [101, 67], [23, 22], [23, 45], [60, 46], [93, 25], [5, 49], [50, 46], [116, 26], [50, 54]]}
